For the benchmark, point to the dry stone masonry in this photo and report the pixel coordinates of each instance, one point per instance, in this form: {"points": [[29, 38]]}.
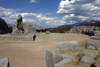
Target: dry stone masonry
{"points": [[84, 54], [20, 30], [89, 30]]}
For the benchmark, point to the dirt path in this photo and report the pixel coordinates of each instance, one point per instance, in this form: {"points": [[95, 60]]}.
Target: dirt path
{"points": [[32, 53]]}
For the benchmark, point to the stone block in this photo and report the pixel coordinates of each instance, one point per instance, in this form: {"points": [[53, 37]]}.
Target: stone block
{"points": [[95, 37], [88, 60], [50, 54], [91, 47], [97, 33], [66, 46], [4, 62], [89, 53], [87, 66], [62, 63], [54, 56], [88, 43]]}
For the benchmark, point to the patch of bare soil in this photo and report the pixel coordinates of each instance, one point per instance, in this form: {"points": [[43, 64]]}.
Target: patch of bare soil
{"points": [[32, 53]]}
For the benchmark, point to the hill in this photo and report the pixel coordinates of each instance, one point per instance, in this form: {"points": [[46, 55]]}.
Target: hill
{"points": [[95, 24], [61, 29]]}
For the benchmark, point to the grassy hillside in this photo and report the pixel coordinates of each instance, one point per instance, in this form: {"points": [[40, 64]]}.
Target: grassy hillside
{"points": [[95, 24], [59, 29]]}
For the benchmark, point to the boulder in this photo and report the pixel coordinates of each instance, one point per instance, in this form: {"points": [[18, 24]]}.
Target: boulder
{"points": [[66, 46], [90, 53], [4, 62], [19, 23], [29, 28], [53, 56], [89, 43], [91, 47], [50, 54], [88, 60], [47, 32], [97, 33], [95, 37], [62, 63], [4, 29]]}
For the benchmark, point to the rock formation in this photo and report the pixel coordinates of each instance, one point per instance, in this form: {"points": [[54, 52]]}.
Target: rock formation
{"points": [[29, 28], [20, 28], [19, 23], [4, 29], [66, 55]]}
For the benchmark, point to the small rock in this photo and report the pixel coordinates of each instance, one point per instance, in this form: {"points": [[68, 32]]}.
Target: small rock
{"points": [[47, 32], [91, 47], [87, 59]]}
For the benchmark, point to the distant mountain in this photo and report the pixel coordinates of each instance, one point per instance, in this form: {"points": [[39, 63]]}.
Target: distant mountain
{"points": [[39, 27], [88, 22], [81, 24], [10, 25]]}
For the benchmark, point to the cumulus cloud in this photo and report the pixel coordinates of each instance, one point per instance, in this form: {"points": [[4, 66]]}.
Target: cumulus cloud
{"points": [[32, 1], [82, 10], [48, 13], [10, 16]]}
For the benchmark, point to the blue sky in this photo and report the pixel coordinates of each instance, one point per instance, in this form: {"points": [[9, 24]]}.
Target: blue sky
{"points": [[50, 13]]}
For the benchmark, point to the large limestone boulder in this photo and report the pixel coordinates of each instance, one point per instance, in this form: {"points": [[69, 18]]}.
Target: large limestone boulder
{"points": [[29, 28], [19, 23], [4, 29]]}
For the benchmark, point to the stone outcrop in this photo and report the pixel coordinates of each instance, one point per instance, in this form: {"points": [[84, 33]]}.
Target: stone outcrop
{"points": [[20, 28], [19, 23], [29, 28], [84, 54], [4, 29], [96, 35], [89, 30], [4, 62]]}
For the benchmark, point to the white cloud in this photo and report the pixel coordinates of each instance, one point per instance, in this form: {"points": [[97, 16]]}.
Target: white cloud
{"points": [[32, 1], [48, 13], [10, 16], [82, 10]]}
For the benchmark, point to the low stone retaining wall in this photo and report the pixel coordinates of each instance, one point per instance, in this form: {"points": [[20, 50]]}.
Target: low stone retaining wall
{"points": [[27, 38]]}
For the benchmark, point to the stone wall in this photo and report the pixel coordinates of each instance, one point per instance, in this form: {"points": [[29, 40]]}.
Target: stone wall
{"points": [[84, 54], [89, 30], [26, 38]]}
